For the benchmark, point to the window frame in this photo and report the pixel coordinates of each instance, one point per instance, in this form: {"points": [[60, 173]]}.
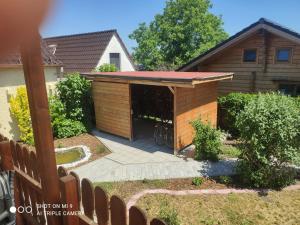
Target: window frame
{"points": [[250, 49], [283, 48], [119, 69]]}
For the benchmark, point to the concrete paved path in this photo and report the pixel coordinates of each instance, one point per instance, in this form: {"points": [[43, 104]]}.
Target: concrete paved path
{"points": [[142, 159]]}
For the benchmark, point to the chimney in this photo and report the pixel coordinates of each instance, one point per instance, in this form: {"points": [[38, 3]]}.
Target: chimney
{"points": [[52, 48]]}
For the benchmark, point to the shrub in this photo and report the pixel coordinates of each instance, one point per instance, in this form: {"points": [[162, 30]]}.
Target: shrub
{"points": [[207, 141], [19, 108], [197, 181], [64, 128], [61, 125], [229, 108], [225, 179], [106, 68], [75, 94], [270, 134], [169, 215]]}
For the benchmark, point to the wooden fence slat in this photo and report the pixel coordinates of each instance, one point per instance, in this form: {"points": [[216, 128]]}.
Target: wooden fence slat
{"points": [[68, 189], [14, 153], [157, 222], [35, 170], [137, 216], [20, 156], [62, 171], [78, 184], [118, 211], [88, 198], [101, 206], [27, 161], [6, 156], [36, 176]]}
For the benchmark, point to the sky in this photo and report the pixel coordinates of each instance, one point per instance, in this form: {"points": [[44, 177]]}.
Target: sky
{"points": [[80, 16]]}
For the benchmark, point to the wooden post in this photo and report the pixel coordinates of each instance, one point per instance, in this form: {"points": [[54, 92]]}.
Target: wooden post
{"points": [[39, 111], [69, 197]]}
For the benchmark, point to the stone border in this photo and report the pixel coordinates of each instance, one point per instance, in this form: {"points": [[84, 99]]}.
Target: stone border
{"points": [[87, 153]]}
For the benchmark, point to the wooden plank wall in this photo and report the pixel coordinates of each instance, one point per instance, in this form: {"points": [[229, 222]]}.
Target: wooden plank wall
{"points": [[112, 108], [231, 60], [190, 104]]}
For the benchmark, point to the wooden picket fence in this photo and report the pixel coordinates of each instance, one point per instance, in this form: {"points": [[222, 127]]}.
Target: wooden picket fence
{"points": [[82, 203]]}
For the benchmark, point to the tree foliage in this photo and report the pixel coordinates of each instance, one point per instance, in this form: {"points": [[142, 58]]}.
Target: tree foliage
{"points": [[270, 132], [184, 30]]}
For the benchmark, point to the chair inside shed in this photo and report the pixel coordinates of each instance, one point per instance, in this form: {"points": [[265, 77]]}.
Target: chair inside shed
{"points": [[152, 117]]}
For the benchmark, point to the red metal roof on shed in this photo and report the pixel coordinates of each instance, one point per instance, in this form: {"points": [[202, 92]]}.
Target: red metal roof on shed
{"points": [[161, 75]]}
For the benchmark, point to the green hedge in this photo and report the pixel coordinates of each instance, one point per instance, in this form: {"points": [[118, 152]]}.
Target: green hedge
{"points": [[229, 108]]}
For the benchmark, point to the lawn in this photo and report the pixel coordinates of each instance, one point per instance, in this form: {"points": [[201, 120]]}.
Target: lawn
{"points": [[233, 209], [277, 207], [229, 151]]}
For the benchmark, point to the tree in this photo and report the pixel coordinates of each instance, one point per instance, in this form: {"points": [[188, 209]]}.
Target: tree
{"points": [[184, 30]]}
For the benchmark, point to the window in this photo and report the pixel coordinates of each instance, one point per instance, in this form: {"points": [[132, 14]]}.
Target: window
{"points": [[249, 55], [290, 89], [283, 55], [114, 58]]}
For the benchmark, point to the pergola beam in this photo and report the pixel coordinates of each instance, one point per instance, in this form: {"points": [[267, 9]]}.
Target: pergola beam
{"points": [[41, 124]]}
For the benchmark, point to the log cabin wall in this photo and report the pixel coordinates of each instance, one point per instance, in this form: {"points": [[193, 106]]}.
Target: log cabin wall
{"points": [[255, 76], [191, 104], [112, 107]]}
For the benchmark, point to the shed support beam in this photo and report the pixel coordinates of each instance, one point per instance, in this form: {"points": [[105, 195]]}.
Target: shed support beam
{"points": [[171, 89], [39, 111]]}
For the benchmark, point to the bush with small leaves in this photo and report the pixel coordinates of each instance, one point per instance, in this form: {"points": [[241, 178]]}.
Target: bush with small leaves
{"points": [[229, 108], [106, 68], [207, 141], [75, 94], [197, 181], [19, 108], [270, 135]]}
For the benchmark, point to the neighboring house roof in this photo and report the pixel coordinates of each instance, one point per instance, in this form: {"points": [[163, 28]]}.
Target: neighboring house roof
{"points": [[262, 23], [14, 58], [82, 52]]}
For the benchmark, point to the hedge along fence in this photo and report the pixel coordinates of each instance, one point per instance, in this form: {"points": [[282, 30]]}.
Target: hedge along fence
{"points": [[83, 204]]}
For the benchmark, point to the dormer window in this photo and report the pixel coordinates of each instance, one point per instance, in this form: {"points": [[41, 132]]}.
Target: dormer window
{"points": [[250, 55], [283, 55]]}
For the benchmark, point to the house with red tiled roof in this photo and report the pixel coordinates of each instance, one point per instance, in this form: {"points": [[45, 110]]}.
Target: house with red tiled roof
{"points": [[84, 52], [12, 77]]}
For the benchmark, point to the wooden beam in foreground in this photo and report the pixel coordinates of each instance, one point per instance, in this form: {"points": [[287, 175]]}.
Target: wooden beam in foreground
{"points": [[39, 111]]}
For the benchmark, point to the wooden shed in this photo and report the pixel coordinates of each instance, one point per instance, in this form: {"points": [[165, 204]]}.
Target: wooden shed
{"points": [[192, 95]]}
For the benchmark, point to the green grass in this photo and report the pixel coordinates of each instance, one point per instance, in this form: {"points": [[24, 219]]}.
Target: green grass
{"points": [[69, 156], [229, 151]]}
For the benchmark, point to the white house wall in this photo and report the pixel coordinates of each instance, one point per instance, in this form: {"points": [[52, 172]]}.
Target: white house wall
{"points": [[114, 46], [10, 80]]}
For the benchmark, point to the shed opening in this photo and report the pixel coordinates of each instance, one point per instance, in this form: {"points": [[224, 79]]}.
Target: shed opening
{"points": [[152, 114]]}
